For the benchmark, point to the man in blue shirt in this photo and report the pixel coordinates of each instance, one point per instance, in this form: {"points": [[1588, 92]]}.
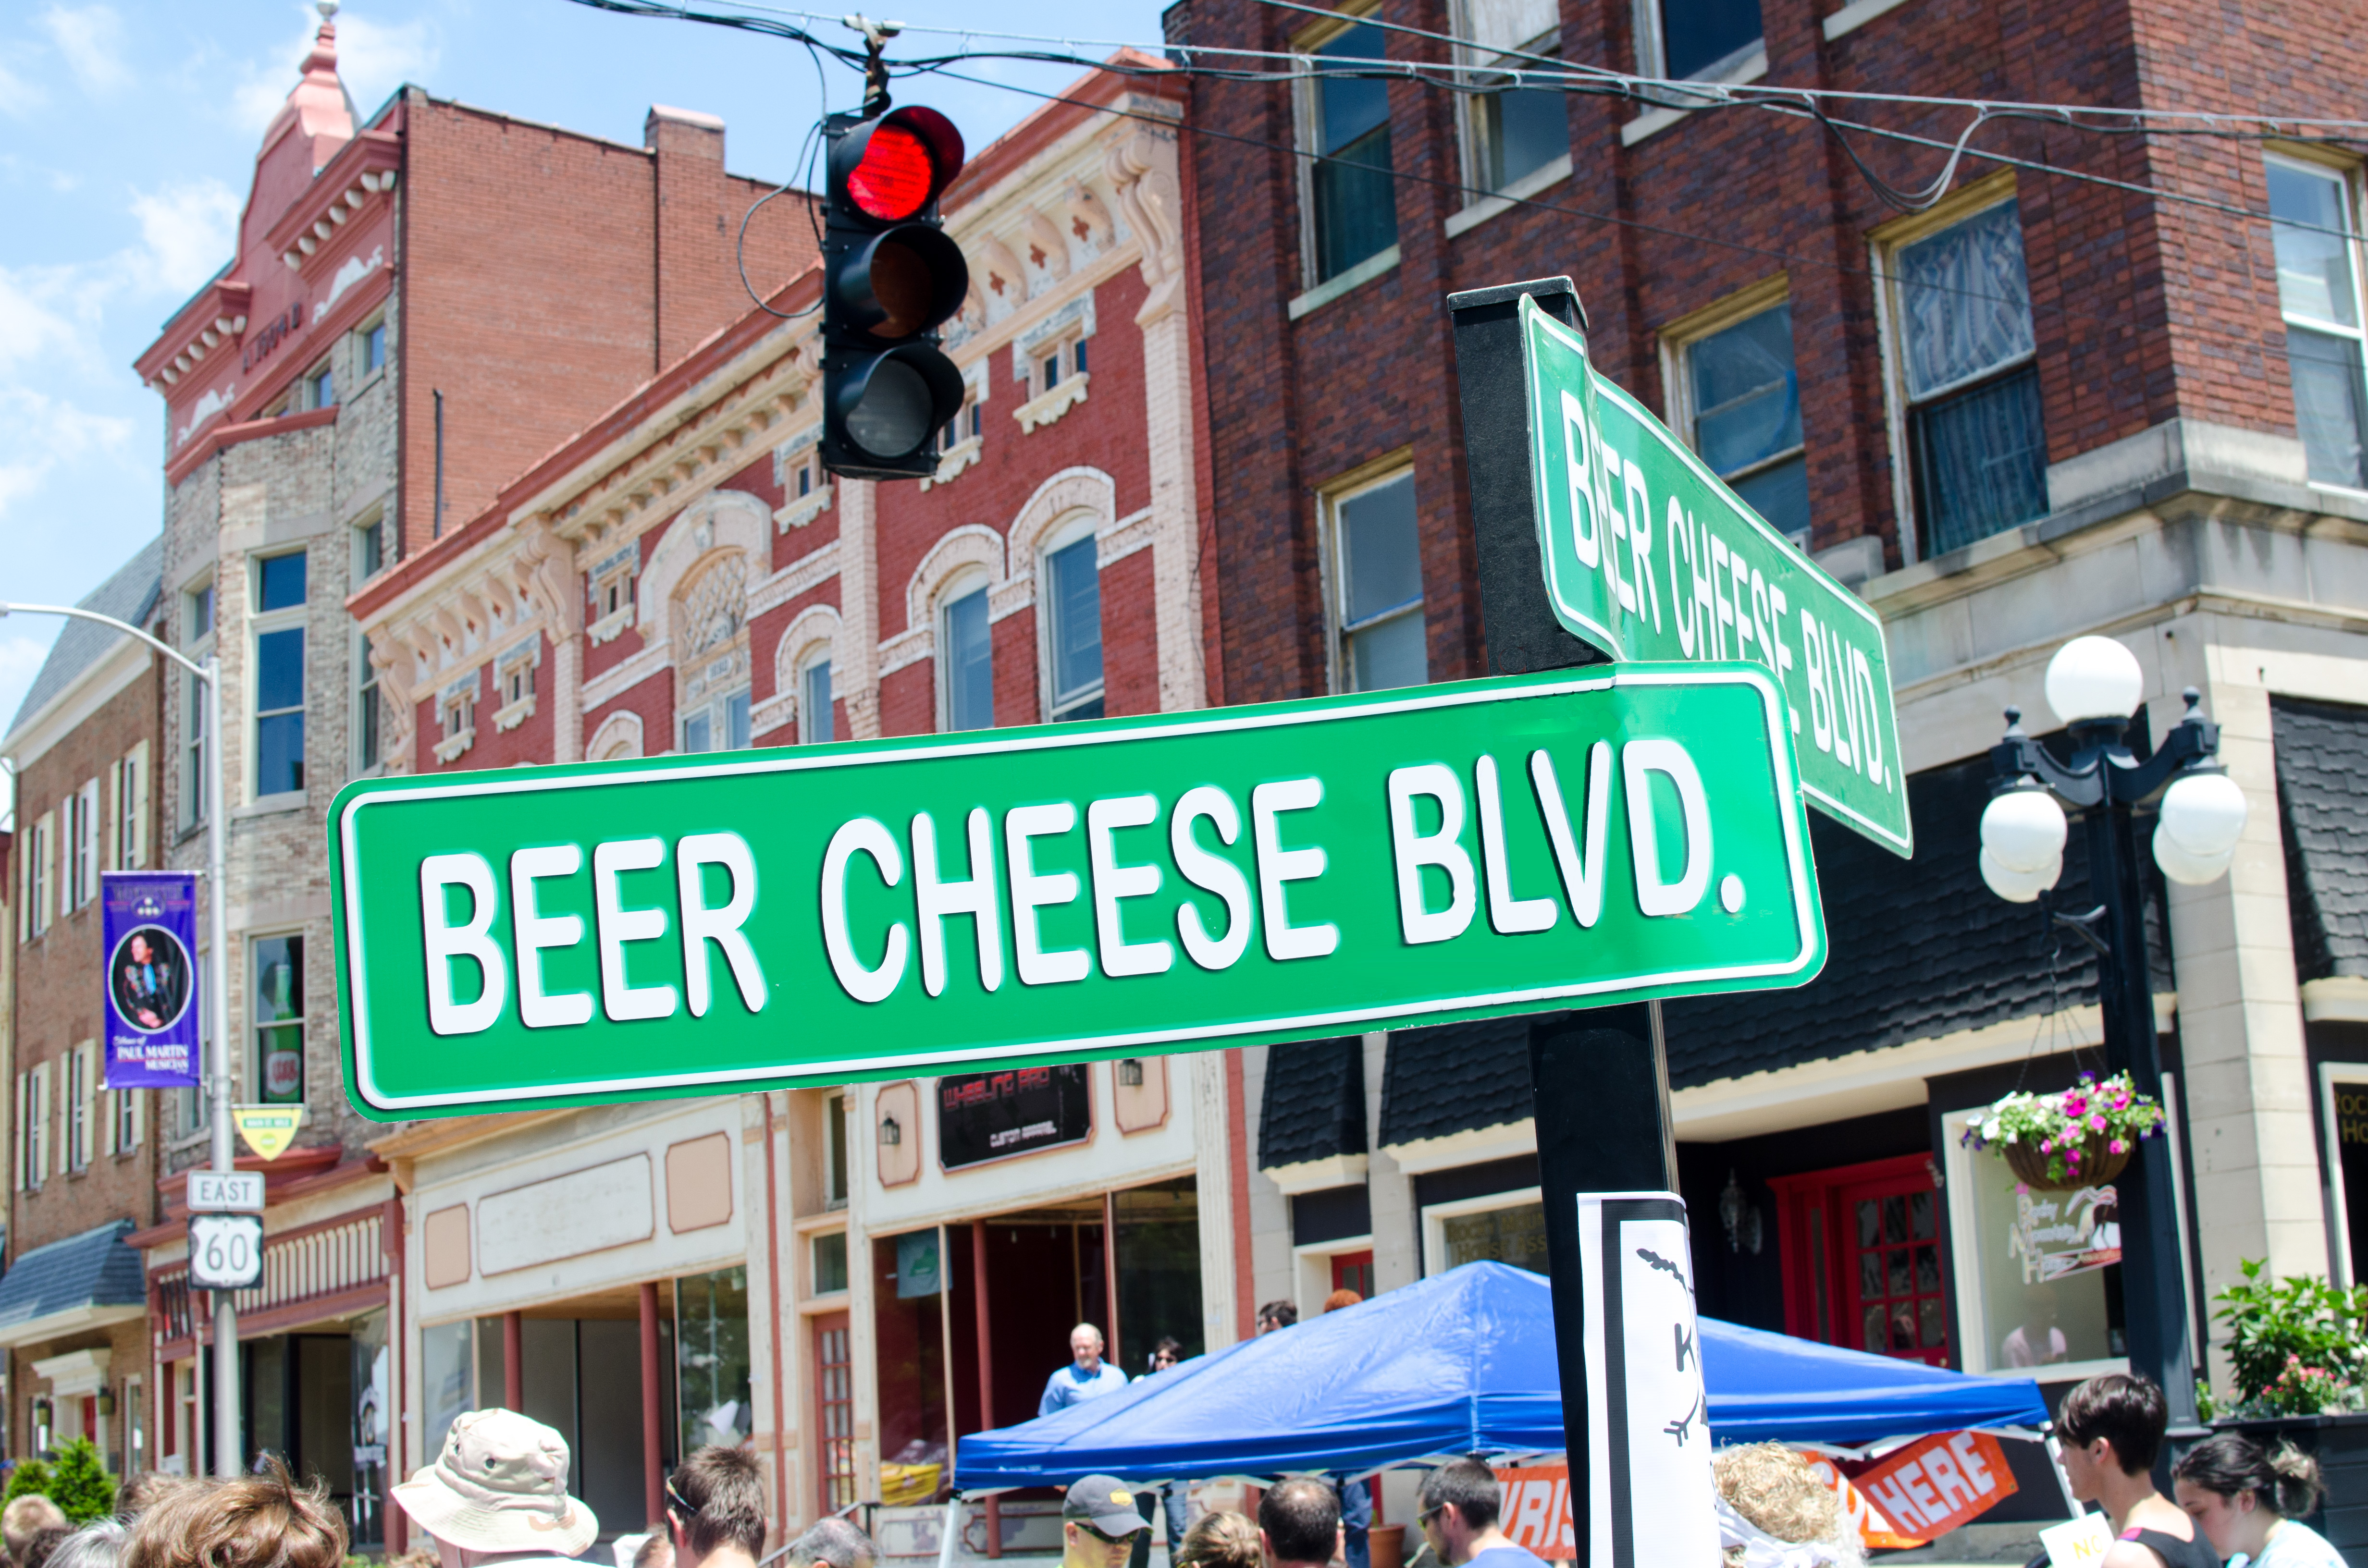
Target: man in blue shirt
{"points": [[1086, 1375], [1460, 1501]]}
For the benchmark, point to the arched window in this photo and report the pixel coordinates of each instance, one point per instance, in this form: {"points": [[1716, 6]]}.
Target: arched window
{"points": [[1070, 592], [816, 720], [966, 655], [711, 624]]}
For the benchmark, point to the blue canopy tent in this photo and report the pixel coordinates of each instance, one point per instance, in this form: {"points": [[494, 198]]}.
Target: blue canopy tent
{"points": [[1459, 1363]]}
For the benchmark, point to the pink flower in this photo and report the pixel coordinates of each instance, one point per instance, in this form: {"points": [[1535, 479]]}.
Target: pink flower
{"points": [[2073, 1155], [2118, 1147], [2047, 1145], [2096, 1124]]}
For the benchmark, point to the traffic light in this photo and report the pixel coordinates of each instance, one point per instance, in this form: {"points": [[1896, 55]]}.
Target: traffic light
{"points": [[889, 276]]}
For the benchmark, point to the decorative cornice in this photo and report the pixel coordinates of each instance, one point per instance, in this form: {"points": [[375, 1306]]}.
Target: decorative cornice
{"points": [[360, 175], [1046, 407], [218, 316], [804, 574]]}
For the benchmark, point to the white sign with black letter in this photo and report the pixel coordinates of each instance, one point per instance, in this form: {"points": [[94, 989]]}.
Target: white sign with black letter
{"points": [[1648, 1411], [226, 1192], [225, 1251]]}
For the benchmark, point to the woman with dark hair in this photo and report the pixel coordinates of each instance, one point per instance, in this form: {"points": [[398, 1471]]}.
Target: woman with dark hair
{"points": [[2111, 1428], [2250, 1500]]}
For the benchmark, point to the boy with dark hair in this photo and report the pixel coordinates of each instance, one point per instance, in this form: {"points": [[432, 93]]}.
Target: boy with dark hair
{"points": [[2111, 1428], [715, 1510], [1460, 1502], [1299, 1524]]}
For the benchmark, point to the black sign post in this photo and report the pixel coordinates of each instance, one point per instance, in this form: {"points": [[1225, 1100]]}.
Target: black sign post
{"points": [[1598, 1078]]}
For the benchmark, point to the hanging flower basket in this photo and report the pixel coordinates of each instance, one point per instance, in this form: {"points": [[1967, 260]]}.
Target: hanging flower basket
{"points": [[2060, 1143]]}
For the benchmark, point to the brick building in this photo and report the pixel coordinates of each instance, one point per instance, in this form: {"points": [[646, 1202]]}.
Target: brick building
{"points": [[82, 1158], [2039, 406], [420, 304], [683, 576]]}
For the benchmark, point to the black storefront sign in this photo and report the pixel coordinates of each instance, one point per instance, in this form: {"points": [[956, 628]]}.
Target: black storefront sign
{"points": [[992, 1116]]}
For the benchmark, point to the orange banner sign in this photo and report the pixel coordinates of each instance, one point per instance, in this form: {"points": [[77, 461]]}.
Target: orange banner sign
{"points": [[1535, 1510], [1940, 1482], [1874, 1529]]}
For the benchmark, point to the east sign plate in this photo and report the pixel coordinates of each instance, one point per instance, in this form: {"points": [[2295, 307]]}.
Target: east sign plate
{"points": [[1648, 555], [819, 914]]}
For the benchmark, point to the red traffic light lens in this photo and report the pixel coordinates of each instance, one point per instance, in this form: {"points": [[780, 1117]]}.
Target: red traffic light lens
{"points": [[894, 177]]}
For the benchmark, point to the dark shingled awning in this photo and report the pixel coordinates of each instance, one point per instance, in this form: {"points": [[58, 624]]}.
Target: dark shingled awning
{"points": [[1313, 1107], [2322, 749], [88, 1273], [1455, 1078]]}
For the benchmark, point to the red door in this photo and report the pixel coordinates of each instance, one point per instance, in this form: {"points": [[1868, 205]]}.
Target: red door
{"points": [[1864, 1260], [1353, 1271], [834, 1409]]}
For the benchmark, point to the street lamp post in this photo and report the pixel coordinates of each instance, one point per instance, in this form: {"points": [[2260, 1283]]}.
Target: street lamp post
{"points": [[217, 1071], [2094, 685]]}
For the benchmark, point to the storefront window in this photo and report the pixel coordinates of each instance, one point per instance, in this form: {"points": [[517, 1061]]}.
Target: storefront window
{"points": [[1158, 1270], [712, 1358], [445, 1376], [1516, 1234], [2046, 1271], [908, 1337], [373, 1413]]}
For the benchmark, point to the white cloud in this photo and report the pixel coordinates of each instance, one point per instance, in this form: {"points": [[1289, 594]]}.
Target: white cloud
{"points": [[19, 98], [92, 40], [185, 234], [31, 326], [38, 432], [373, 59]]}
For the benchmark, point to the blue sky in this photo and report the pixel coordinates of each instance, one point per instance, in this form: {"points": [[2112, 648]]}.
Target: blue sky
{"points": [[127, 134]]}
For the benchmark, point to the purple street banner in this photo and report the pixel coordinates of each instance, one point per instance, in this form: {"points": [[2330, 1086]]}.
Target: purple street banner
{"points": [[149, 919]]}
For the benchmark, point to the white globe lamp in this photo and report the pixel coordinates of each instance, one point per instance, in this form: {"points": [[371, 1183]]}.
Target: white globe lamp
{"points": [[2094, 677], [2023, 830], [2203, 814], [2020, 887], [2184, 867]]}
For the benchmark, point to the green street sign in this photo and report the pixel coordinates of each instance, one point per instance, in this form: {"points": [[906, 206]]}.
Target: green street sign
{"points": [[1648, 555], [693, 925]]}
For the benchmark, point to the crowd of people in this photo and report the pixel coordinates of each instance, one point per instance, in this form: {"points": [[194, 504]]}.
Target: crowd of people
{"points": [[498, 1497]]}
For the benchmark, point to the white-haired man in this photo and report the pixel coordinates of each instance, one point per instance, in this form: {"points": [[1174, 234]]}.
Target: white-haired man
{"points": [[1086, 1375]]}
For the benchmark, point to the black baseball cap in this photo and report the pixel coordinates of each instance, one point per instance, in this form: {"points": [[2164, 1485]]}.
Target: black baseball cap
{"points": [[1107, 1503]]}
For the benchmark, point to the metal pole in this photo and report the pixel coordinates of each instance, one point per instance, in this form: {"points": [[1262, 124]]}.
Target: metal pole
{"points": [[2154, 1293], [229, 1459]]}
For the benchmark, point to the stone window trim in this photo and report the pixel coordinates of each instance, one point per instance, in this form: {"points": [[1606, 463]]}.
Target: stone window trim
{"points": [[456, 716], [812, 634], [1366, 476], [1060, 534], [514, 668], [259, 625], [1883, 243], [618, 735], [972, 545], [965, 578], [718, 521], [1050, 364], [1536, 46], [612, 583], [797, 462], [1303, 110]]}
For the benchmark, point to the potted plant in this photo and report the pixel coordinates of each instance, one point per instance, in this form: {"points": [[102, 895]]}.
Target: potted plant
{"points": [[2298, 1351], [2060, 1143]]}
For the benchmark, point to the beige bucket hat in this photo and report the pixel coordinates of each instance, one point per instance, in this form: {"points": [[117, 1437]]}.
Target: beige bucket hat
{"points": [[500, 1485]]}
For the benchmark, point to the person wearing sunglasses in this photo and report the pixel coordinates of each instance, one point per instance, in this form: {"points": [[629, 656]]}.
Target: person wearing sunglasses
{"points": [[715, 1510], [1100, 1524], [1460, 1503]]}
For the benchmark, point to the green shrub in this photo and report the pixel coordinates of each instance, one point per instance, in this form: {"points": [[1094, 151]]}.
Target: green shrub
{"points": [[2299, 1346], [79, 1483], [30, 1479]]}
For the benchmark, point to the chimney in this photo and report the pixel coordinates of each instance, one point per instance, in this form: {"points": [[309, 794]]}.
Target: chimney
{"points": [[698, 279]]}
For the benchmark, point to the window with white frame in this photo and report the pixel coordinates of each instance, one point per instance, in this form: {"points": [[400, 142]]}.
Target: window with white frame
{"points": [[129, 778], [610, 582], [40, 861], [127, 1120], [371, 346], [2311, 210], [276, 1011], [1072, 597], [33, 1126], [1968, 378], [277, 633], [817, 719], [1376, 550], [368, 737], [1697, 40], [82, 842], [370, 548], [196, 724], [1352, 201], [514, 678], [456, 715], [2037, 1276], [1503, 1227], [320, 387], [718, 724], [968, 421], [966, 655], [1739, 397], [82, 1090], [1512, 128], [710, 620], [1051, 363], [801, 474]]}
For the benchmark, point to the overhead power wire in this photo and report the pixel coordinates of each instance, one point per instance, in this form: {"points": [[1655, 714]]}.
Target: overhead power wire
{"points": [[2056, 308]]}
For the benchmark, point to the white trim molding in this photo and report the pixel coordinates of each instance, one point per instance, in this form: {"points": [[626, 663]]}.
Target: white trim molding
{"points": [[1476, 1145], [2338, 999], [1315, 1176]]}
